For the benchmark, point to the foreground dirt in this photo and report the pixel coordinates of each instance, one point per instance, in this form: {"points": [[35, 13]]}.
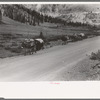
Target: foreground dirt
{"points": [[85, 70], [58, 63]]}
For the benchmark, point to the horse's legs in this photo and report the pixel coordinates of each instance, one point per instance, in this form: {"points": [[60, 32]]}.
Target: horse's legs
{"points": [[25, 52], [34, 50], [30, 51]]}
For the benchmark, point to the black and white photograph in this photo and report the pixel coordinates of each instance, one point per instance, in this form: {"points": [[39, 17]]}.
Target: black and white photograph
{"points": [[49, 42]]}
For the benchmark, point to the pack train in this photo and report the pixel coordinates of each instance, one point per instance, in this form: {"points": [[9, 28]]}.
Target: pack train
{"points": [[32, 45]]}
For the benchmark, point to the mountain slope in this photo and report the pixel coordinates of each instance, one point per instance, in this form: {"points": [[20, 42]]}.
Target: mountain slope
{"points": [[34, 14], [84, 13], [64, 8]]}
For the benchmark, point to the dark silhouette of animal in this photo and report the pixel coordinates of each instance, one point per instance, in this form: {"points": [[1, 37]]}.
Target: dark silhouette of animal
{"points": [[39, 44], [65, 39], [82, 35], [32, 45], [29, 46], [76, 37], [73, 38]]}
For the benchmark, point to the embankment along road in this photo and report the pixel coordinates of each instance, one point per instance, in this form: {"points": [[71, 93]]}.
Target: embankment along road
{"points": [[46, 64]]}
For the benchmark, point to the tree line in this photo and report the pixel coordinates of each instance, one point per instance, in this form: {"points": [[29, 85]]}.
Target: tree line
{"points": [[24, 15], [28, 16]]}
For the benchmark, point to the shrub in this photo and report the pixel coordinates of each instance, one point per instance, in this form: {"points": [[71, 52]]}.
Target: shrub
{"points": [[7, 47], [15, 49], [1, 45], [95, 56], [14, 44]]}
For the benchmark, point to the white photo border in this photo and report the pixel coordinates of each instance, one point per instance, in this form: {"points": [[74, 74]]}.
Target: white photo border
{"points": [[46, 90]]}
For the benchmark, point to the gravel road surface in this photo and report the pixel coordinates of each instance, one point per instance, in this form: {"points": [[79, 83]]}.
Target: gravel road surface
{"points": [[46, 64]]}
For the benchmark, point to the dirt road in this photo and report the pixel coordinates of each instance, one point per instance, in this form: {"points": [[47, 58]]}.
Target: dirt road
{"points": [[45, 65]]}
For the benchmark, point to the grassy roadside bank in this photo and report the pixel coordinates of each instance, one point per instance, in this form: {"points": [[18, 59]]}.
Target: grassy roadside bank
{"points": [[12, 33], [85, 70]]}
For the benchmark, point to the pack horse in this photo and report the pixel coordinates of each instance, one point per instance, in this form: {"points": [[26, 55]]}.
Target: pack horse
{"points": [[32, 45]]}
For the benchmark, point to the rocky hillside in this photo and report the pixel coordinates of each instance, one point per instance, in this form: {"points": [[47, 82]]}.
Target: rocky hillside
{"points": [[35, 14], [83, 13], [23, 14]]}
